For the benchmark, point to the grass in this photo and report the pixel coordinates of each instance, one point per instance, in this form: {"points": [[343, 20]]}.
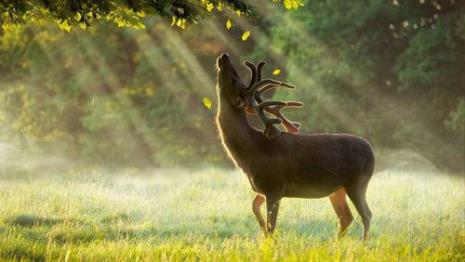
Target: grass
{"points": [[206, 215]]}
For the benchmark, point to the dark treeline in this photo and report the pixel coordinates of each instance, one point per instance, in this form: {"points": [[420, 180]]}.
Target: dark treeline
{"points": [[390, 71]]}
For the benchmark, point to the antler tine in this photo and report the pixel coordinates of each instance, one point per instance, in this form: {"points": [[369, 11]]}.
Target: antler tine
{"points": [[270, 130], [295, 104], [262, 105], [274, 108], [260, 66], [264, 85], [262, 88], [253, 72], [292, 127], [269, 86], [253, 89]]}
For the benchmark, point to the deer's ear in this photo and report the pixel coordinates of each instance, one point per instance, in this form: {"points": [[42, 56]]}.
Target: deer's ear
{"points": [[238, 102]]}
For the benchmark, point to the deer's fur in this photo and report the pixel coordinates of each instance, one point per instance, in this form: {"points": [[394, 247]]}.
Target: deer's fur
{"points": [[292, 165]]}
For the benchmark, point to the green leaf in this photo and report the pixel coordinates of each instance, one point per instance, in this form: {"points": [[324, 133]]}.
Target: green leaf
{"points": [[292, 4], [245, 35], [64, 25], [207, 102], [229, 24]]}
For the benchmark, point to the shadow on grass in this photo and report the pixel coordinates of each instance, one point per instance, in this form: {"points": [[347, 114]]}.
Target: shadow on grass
{"points": [[119, 217], [39, 231], [122, 227], [21, 253], [29, 220]]}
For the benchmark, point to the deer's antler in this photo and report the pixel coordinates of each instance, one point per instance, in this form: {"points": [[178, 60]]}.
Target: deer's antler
{"points": [[257, 87], [292, 127], [253, 73]]}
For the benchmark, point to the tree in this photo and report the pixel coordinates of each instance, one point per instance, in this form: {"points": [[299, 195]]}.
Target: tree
{"points": [[124, 13], [110, 95]]}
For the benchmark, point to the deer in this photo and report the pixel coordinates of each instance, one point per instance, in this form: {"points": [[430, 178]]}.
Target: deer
{"points": [[283, 163]]}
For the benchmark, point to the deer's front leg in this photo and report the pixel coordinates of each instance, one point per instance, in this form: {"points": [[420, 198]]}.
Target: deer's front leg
{"points": [[256, 204], [272, 208]]}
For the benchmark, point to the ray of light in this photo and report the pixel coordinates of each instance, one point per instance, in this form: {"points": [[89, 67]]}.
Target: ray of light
{"points": [[181, 51], [103, 69], [326, 99]]}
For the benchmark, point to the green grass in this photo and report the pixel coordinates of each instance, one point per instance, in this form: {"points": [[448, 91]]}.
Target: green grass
{"points": [[177, 215]]}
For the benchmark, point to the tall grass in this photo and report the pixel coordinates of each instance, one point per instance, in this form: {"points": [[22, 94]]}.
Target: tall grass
{"points": [[180, 215]]}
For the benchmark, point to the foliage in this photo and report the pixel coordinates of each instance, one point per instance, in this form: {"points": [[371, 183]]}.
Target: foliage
{"points": [[390, 71], [206, 216], [83, 13], [127, 111], [456, 119], [376, 65]]}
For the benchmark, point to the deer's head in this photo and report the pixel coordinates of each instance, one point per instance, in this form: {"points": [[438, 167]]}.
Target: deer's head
{"points": [[249, 98], [230, 86]]}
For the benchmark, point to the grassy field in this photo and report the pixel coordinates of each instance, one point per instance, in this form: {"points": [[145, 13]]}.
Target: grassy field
{"points": [[176, 215]]}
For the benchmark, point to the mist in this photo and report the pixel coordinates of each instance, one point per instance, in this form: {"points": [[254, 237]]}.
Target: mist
{"points": [[109, 148]]}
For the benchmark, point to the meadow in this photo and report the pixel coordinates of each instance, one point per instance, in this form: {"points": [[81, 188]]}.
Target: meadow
{"points": [[180, 215]]}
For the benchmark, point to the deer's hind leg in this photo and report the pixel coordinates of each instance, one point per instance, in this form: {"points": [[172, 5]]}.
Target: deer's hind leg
{"points": [[339, 202], [357, 194], [256, 204]]}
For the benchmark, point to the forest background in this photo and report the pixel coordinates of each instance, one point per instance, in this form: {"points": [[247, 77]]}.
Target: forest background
{"points": [[139, 91]]}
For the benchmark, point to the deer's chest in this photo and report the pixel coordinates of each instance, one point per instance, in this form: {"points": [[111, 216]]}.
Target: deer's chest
{"points": [[254, 186], [265, 184]]}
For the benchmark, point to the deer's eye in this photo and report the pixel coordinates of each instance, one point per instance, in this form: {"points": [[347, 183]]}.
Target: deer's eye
{"points": [[235, 82]]}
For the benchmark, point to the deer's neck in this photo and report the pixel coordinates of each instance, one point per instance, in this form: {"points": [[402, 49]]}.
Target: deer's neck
{"points": [[237, 136]]}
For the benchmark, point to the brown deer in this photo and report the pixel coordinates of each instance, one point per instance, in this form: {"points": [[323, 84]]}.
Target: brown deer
{"points": [[286, 164]]}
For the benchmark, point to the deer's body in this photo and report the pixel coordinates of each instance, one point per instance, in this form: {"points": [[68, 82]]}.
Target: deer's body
{"points": [[294, 165]]}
